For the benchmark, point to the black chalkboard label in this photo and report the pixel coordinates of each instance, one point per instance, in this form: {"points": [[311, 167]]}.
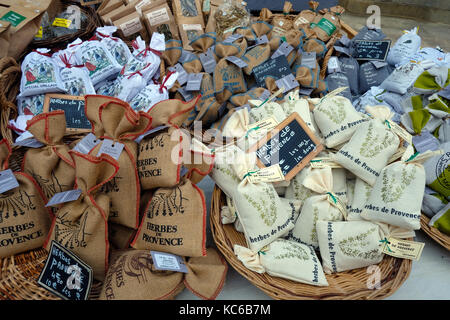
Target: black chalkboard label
{"points": [[66, 275], [371, 50], [291, 144], [276, 68], [73, 107]]}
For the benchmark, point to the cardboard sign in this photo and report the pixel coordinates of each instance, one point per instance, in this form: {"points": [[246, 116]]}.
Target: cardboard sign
{"points": [[66, 275], [371, 50], [73, 107], [277, 68], [291, 144]]}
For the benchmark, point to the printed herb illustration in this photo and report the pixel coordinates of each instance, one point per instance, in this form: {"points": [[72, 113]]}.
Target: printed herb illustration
{"points": [[227, 170], [336, 113], [374, 144], [265, 206], [163, 204], [393, 189], [15, 203], [138, 266], [354, 246], [111, 186], [49, 187], [157, 141], [71, 234], [294, 250], [40, 73], [314, 222]]}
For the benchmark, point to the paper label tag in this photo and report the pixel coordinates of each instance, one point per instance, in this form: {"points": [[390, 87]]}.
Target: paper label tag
{"points": [[305, 91], [266, 124], [194, 81], [422, 157], [425, 141], [265, 95], [131, 27], [13, 17], [232, 38], [333, 65], [345, 40], [208, 61], [278, 31], [39, 34], [187, 96], [63, 197], [182, 74], [158, 17], [8, 180], [168, 261], [400, 151], [262, 40], [111, 148], [30, 143], [65, 274], [284, 49], [268, 174], [300, 21], [288, 83], [309, 59], [379, 64], [236, 61], [322, 162], [87, 143], [142, 136], [403, 249], [60, 22], [186, 56], [402, 133], [343, 50], [327, 26], [141, 4]]}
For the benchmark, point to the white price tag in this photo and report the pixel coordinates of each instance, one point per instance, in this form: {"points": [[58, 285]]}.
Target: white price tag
{"points": [[168, 261], [111, 148], [63, 197], [8, 181], [87, 143]]}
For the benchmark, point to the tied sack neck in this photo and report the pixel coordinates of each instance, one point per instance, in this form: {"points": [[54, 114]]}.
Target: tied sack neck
{"points": [[321, 181], [250, 259], [49, 128], [244, 165]]}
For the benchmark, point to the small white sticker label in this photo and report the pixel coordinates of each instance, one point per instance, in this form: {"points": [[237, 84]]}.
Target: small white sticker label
{"points": [[8, 181], [168, 261], [111, 148]]}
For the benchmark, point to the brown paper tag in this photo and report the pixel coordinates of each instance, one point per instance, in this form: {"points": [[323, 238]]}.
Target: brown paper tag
{"points": [[403, 249], [158, 16], [322, 162], [266, 124], [402, 133]]}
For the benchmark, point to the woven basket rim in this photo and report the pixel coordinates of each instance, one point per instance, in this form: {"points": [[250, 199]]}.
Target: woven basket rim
{"points": [[434, 233], [349, 285]]}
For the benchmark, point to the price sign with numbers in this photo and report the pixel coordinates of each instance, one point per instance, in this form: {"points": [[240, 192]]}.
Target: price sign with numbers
{"points": [[276, 68]]}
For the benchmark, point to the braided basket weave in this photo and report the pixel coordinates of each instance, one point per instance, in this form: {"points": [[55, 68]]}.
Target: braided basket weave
{"points": [[349, 285], [434, 233]]}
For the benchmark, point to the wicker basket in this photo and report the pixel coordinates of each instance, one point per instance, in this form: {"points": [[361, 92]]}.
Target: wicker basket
{"points": [[86, 31], [9, 89], [435, 234], [348, 285]]}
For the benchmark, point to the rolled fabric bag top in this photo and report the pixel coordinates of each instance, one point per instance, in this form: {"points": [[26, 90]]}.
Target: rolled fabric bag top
{"points": [[119, 50]]}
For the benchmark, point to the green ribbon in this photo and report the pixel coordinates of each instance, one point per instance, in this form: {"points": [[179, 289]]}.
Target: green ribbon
{"points": [[413, 156], [386, 122], [315, 160], [332, 197], [252, 129], [284, 39], [249, 174], [386, 242]]}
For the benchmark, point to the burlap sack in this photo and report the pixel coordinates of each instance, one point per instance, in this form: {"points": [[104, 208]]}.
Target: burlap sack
{"points": [[397, 195], [174, 221], [247, 32], [172, 112], [315, 45], [347, 245], [227, 74], [285, 259], [51, 165], [260, 53], [82, 225], [198, 160], [305, 17], [308, 77], [119, 236], [370, 147], [133, 276], [172, 53], [325, 26], [160, 158], [241, 99], [263, 215], [336, 118], [119, 122], [24, 221], [316, 208], [360, 196]]}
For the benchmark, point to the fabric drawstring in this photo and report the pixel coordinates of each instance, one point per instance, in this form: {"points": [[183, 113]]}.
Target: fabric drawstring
{"points": [[413, 156], [332, 197], [164, 81], [146, 50], [137, 72], [386, 243], [43, 54], [66, 62], [248, 174], [252, 129], [106, 36]]}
